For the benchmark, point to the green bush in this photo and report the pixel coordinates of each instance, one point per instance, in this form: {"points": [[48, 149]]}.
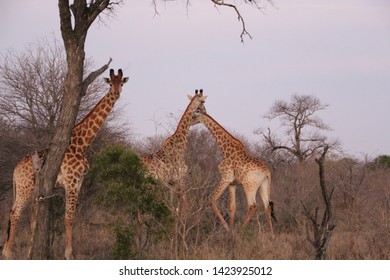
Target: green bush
{"points": [[132, 195], [123, 248], [382, 161]]}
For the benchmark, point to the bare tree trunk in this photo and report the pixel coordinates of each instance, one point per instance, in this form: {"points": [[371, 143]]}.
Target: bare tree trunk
{"points": [[322, 232]]}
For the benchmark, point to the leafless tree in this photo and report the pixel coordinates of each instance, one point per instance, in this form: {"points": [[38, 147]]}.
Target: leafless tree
{"points": [[349, 176], [31, 89], [7, 148], [302, 127]]}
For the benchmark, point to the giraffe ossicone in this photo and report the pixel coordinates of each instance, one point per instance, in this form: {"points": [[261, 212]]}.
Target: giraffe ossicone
{"points": [[73, 168]]}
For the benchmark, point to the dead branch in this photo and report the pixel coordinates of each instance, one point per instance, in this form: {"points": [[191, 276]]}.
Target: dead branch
{"points": [[244, 32], [322, 231], [93, 75]]}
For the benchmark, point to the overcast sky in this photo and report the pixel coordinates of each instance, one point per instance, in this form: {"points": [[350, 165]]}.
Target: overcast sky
{"points": [[337, 50]]}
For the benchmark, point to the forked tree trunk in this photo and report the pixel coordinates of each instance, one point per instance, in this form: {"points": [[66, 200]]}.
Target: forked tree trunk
{"points": [[74, 35]]}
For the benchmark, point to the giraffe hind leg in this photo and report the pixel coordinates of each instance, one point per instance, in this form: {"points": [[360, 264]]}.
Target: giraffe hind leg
{"points": [[251, 211], [250, 187], [232, 192], [265, 189], [8, 232], [12, 223], [14, 216]]}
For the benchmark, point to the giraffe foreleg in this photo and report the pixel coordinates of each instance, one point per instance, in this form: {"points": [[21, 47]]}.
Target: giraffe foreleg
{"points": [[223, 184]]}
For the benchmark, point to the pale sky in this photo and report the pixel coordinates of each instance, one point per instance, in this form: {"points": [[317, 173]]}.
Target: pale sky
{"points": [[337, 50]]}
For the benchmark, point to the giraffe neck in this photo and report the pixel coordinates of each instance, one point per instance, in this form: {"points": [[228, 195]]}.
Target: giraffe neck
{"points": [[224, 139], [86, 130], [178, 140]]}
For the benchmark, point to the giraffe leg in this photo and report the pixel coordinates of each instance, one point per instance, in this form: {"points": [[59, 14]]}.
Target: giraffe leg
{"points": [[71, 195], [214, 201], [22, 193], [250, 189], [265, 189], [232, 192], [226, 179], [249, 214], [13, 221], [14, 217]]}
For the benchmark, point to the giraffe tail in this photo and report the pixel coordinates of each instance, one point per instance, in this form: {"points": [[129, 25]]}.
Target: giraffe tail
{"points": [[9, 228], [271, 205]]}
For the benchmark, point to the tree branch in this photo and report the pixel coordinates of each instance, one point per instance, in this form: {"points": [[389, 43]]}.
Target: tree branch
{"points": [[244, 32], [285, 148], [325, 196], [96, 8], [93, 75], [65, 19]]}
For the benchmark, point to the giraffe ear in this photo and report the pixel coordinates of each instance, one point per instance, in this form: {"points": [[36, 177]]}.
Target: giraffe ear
{"points": [[107, 80], [125, 79], [204, 97], [189, 97]]}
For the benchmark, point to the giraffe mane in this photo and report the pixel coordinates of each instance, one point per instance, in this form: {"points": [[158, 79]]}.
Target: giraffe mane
{"points": [[80, 123], [182, 118], [227, 132]]}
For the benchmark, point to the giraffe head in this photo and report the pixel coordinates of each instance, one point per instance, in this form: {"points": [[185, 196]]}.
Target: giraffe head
{"points": [[196, 117], [199, 99], [116, 81]]}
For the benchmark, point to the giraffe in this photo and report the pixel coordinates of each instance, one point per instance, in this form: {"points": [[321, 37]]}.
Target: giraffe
{"points": [[238, 167], [73, 168], [168, 164]]}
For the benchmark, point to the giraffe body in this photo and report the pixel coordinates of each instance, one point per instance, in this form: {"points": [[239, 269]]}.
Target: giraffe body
{"points": [[238, 167], [73, 168]]}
